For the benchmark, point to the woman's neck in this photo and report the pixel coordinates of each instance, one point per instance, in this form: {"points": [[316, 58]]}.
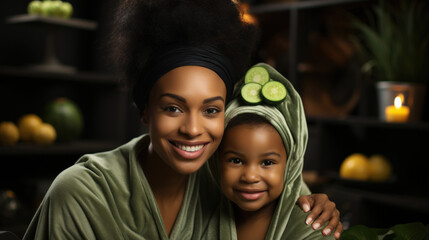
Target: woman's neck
{"points": [[255, 224], [167, 186]]}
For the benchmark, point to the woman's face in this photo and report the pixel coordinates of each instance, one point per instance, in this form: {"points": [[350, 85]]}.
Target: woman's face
{"points": [[185, 117], [253, 162]]}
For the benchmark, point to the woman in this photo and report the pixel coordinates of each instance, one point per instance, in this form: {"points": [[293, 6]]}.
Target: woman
{"points": [[181, 58]]}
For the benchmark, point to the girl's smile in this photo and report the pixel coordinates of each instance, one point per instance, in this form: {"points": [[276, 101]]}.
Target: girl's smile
{"points": [[250, 195]]}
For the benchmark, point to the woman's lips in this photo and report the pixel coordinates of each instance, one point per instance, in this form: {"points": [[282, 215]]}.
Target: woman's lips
{"points": [[250, 195], [189, 150]]}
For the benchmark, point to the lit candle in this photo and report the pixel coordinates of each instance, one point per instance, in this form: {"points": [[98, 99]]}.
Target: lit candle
{"points": [[397, 113]]}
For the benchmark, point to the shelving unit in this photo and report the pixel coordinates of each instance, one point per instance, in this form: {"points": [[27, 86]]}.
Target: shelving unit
{"points": [[405, 197], [109, 117]]}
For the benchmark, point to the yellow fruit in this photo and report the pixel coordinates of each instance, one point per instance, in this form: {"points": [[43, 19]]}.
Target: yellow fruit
{"points": [[356, 167], [27, 125], [45, 134], [381, 169], [9, 133]]}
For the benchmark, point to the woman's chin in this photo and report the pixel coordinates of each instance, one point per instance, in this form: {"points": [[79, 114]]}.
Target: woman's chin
{"points": [[188, 168]]}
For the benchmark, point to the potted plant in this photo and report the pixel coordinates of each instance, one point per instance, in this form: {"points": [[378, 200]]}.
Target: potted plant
{"points": [[395, 45]]}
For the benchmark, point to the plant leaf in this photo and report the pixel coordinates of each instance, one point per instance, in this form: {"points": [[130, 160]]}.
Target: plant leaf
{"points": [[411, 231], [359, 232]]}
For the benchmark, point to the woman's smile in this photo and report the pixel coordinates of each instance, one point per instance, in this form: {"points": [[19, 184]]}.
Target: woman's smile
{"points": [[189, 150]]}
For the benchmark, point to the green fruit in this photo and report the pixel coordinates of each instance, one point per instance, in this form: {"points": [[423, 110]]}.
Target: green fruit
{"points": [[251, 93], [51, 8], [46, 8], [57, 8], [273, 92], [66, 10], [257, 74], [34, 8], [66, 117]]}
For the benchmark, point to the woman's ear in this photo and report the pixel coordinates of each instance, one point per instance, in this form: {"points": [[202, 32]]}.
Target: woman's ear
{"points": [[144, 117]]}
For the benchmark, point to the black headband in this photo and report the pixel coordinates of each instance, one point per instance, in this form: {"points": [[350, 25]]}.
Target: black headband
{"points": [[169, 58]]}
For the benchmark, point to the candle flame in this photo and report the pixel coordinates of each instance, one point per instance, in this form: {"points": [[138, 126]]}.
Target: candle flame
{"points": [[398, 102]]}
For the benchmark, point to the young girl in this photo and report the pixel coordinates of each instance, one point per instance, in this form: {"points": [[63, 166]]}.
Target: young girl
{"points": [[260, 161]]}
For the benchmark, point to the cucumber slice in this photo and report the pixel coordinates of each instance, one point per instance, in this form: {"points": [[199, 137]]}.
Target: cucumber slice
{"points": [[251, 93], [273, 92], [257, 74]]}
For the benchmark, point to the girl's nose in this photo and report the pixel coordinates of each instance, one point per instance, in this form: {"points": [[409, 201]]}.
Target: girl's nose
{"points": [[250, 175]]}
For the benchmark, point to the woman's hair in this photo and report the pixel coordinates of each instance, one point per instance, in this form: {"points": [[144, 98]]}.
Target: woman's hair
{"points": [[142, 26]]}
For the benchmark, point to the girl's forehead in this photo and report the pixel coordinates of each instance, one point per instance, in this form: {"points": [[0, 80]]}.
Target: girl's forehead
{"points": [[244, 132]]}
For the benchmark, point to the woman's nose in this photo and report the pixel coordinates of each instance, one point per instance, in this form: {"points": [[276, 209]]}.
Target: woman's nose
{"points": [[192, 125]]}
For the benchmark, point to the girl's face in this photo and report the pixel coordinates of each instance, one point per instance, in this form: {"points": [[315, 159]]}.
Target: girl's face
{"points": [[253, 162], [185, 117]]}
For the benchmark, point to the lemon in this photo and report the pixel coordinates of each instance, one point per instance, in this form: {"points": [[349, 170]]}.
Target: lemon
{"points": [[381, 169], [45, 134], [9, 133], [27, 125], [356, 166]]}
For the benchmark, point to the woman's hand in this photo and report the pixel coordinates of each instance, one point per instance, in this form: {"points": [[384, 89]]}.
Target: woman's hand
{"points": [[322, 210]]}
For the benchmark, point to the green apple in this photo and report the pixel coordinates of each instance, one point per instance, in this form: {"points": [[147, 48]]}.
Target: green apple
{"points": [[47, 8], [51, 8], [34, 7], [56, 8], [66, 10]]}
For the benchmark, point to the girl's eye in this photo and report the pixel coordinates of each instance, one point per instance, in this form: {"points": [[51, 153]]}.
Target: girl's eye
{"points": [[235, 161], [267, 163]]}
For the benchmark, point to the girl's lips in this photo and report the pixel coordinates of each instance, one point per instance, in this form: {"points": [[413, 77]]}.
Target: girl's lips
{"points": [[189, 150], [250, 195]]}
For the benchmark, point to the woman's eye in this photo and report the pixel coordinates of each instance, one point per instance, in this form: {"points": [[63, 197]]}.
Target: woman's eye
{"points": [[172, 109], [267, 163], [235, 161], [212, 111]]}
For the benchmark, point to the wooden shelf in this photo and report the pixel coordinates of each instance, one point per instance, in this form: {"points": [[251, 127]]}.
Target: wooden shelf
{"points": [[73, 148], [85, 77], [416, 203], [53, 21], [369, 122], [278, 7]]}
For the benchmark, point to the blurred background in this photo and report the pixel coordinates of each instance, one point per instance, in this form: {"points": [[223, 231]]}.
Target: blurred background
{"points": [[349, 59]]}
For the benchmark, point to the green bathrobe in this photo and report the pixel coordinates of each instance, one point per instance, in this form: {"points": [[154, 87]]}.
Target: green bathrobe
{"points": [[106, 196], [288, 118]]}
